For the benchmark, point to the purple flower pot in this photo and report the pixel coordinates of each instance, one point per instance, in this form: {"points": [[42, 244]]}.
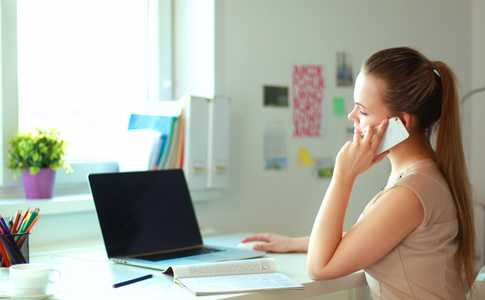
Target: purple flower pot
{"points": [[40, 185]]}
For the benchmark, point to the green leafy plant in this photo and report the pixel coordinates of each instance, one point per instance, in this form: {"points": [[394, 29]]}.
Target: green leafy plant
{"points": [[37, 150]]}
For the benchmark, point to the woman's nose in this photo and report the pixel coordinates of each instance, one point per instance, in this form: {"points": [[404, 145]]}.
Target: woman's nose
{"points": [[351, 116]]}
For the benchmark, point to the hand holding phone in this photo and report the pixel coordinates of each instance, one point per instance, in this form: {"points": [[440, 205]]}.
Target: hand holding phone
{"points": [[394, 134]]}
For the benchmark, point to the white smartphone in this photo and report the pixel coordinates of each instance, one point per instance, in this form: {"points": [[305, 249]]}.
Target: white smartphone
{"points": [[395, 133]]}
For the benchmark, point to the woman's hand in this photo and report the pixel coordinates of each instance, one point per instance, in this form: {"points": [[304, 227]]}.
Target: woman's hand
{"points": [[278, 243], [359, 155]]}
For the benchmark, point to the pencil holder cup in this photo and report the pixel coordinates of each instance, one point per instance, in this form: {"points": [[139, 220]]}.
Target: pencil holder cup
{"points": [[14, 249]]}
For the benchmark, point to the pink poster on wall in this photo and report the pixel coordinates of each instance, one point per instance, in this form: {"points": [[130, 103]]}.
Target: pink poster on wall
{"points": [[307, 94]]}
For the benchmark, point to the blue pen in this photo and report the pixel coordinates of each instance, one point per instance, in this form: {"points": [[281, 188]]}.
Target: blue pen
{"points": [[132, 280]]}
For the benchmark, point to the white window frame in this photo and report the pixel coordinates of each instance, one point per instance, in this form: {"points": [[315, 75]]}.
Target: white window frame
{"points": [[8, 84], [160, 87]]}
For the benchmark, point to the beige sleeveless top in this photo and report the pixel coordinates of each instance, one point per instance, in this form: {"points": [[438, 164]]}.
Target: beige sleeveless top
{"points": [[422, 266]]}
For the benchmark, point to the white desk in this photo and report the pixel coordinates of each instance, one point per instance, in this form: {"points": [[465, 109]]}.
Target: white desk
{"points": [[89, 275]]}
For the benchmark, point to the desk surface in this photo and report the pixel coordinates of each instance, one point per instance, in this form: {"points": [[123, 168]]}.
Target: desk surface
{"points": [[90, 275]]}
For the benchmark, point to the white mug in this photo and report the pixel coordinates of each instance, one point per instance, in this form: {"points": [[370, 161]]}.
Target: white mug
{"points": [[32, 279]]}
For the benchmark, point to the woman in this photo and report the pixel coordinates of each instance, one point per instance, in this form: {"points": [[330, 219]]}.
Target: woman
{"points": [[416, 237]]}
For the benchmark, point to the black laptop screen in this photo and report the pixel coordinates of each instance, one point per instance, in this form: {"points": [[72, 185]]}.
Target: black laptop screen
{"points": [[142, 212]]}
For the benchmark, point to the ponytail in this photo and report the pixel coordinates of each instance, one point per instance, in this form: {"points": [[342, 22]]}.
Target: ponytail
{"points": [[451, 160]]}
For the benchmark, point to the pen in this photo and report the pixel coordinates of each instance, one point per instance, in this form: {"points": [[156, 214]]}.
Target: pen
{"points": [[123, 283]]}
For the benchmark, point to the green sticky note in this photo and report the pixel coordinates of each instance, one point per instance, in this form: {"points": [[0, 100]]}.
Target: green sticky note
{"points": [[325, 172], [339, 106]]}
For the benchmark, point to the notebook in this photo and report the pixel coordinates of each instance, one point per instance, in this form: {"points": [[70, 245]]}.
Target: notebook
{"points": [[147, 219]]}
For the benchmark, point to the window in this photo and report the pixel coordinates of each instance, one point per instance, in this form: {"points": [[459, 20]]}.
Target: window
{"points": [[82, 68]]}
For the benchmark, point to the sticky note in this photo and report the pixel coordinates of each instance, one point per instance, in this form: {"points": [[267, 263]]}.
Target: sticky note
{"points": [[325, 172], [304, 157], [339, 106]]}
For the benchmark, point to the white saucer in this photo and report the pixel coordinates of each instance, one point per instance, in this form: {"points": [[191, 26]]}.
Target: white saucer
{"points": [[33, 297]]}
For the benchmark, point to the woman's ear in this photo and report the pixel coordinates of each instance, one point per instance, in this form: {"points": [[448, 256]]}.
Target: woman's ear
{"points": [[405, 119]]}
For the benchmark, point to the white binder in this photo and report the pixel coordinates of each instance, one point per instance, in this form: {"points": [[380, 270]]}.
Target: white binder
{"points": [[219, 135], [196, 142]]}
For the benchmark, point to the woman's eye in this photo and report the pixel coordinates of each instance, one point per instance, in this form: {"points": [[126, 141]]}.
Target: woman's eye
{"points": [[363, 113]]}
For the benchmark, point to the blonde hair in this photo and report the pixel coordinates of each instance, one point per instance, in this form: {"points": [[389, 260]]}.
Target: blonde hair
{"points": [[427, 90]]}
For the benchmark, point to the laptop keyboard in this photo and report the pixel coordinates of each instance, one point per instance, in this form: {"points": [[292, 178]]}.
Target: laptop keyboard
{"points": [[181, 253]]}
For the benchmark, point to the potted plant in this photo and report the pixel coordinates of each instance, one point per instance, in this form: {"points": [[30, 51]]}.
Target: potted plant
{"points": [[37, 156]]}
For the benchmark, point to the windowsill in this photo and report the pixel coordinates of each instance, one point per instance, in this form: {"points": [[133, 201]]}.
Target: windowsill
{"points": [[75, 203], [55, 205]]}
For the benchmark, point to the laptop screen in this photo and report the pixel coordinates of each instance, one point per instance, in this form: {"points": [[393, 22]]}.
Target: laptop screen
{"points": [[142, 212]]}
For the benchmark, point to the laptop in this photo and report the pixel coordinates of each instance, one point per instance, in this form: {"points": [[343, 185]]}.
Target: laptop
{"points": [[147, 219]]}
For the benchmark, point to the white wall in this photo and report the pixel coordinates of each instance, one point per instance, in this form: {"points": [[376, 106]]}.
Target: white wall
{"points": [[258, 42], [476, 104]]}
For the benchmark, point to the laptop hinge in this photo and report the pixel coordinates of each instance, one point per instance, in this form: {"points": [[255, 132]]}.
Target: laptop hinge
{"points": [[167, 251]]}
